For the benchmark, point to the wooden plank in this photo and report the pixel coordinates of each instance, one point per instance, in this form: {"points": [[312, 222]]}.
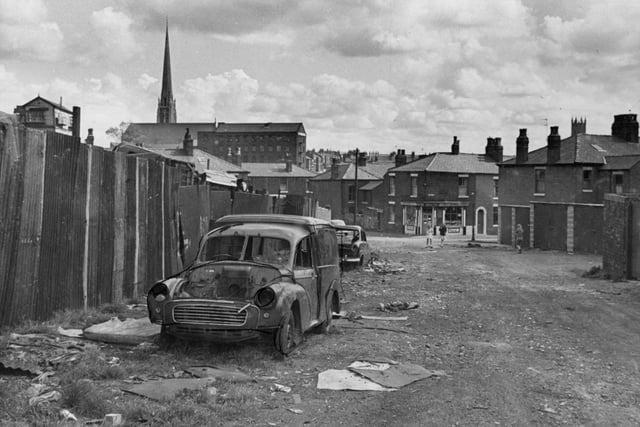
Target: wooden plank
{"points": [[141, 227], [119, 226], [153, 230], [78, 226], [105, 229], [95, 184], [28, 250], [130, 228], [173, 265], [11, 172]]}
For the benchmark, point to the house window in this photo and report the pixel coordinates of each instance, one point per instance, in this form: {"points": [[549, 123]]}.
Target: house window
{"points": [[496, 215], [587, 179], [392, 213], [495, 187], [539, 181], [284, 188], [463, 185], [392, 185], [617, 183], [414, 185], [351, 191], [35, 115]]}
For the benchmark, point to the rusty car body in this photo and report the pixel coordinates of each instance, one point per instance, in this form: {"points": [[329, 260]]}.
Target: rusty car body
{"points": [[353, 247], [254, 273]]}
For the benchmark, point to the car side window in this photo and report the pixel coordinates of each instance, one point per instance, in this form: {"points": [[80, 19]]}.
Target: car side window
{"points": [[363, 236], [303, 254]]}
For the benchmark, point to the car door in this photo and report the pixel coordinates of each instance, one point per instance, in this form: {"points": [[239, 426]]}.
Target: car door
{"points": [[306, 276], [365, 249], [327, 264]]}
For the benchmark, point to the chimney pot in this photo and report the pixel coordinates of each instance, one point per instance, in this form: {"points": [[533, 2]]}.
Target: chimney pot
{"points": [[553, 145], [455, 147], [522, 147], [187, 143], [625, 126], [89, 139]]}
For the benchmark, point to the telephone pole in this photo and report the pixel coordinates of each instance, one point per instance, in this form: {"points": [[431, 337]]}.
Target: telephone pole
{"points": [[355, 190]]}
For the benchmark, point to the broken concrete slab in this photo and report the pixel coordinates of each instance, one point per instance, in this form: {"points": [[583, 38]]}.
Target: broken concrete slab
{"points": [[213, 372], [129, 331], [169, 388], [392, 376]]}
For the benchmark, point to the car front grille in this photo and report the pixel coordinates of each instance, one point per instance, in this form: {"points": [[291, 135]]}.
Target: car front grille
{"points": [[209, 314]]}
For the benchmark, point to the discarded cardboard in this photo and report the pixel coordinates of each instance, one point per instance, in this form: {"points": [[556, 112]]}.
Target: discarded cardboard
{"points": [[131, 331], [213, 372], [342, 379], [169, 388], [392, 376], [71, 333]]}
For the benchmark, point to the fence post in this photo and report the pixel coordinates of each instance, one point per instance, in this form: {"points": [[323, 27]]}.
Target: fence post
{"points": [[85, 261]]}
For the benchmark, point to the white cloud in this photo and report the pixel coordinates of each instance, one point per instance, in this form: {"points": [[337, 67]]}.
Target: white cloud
{"points": [[26, 32], [114, 30], [145, 81]]}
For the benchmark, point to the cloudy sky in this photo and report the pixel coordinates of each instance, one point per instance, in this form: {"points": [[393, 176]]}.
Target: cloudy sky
{"points": [[373, 74]]}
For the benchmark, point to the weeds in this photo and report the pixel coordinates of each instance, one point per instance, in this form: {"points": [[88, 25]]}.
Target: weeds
{"points": [[84, 398]]}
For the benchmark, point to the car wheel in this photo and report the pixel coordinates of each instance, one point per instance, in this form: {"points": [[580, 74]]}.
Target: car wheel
{"points": [[361, 260], [288, 335], [332, 305]]}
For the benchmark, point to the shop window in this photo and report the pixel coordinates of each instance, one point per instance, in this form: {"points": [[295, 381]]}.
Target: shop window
{"points": [[284, 188], [539, 181]]}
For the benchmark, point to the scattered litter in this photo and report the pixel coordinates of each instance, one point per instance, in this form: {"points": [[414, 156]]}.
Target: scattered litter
{"points": [[383, 267], [397, 306], [113, 361], [131, 331], [112, 420], [66, 415], [296, 399], [136, 306], [548, 409], [212, 391], [168, 388], [534, 370], [342, 379], [280, 387], [393, 376], [353, 316], [213, 372], [295, 411], [43, 377], [45, 397], [35, 390], [71, 333], [377, 329]]}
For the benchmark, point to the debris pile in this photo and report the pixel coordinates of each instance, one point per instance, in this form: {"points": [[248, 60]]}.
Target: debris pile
{"points": [[383, 266], [397, 306]]}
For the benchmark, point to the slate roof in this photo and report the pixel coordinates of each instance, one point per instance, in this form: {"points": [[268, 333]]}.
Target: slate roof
{"points": [[53, 104], [378, 168], [451, 163], [201, 160], [347, 171], [620, 162], [266, 170], [371, 185], [583, 149], [259, 127]]}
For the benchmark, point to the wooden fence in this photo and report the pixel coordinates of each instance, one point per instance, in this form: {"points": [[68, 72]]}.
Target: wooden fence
{"points": [[79, 226]]}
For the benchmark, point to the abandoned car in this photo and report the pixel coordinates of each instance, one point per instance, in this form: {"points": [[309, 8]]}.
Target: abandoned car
{"points": [[253, 274], [353, 247]]}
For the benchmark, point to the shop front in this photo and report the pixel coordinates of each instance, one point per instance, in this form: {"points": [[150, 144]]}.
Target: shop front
{"points": [[452, 214]]}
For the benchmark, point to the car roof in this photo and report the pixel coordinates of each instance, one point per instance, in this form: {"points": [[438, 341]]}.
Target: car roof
{"points": [[272, 219], [282, 231], [348, 227]]}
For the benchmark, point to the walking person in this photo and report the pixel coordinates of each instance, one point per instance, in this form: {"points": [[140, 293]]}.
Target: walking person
{"points": [[429, 235], [443, 234], [519, 238]]}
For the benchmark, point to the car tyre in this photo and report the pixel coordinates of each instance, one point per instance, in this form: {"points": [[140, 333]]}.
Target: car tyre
{"points": [[332, 305], [287, 337]]}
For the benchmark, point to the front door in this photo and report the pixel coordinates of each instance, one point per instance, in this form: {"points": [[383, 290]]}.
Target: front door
{"points": [[480, 218], [306, 276]]}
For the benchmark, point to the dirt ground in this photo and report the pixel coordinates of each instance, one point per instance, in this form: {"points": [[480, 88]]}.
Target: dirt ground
{"points": [[523, 339]]}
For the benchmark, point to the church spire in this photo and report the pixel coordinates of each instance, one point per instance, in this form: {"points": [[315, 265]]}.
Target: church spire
{"points": [[166, 103]]}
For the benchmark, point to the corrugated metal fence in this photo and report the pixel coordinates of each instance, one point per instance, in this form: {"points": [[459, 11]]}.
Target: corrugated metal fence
{"points": [[79, 226]]}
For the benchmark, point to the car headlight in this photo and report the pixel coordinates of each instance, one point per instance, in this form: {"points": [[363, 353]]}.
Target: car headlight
{"points": [[264, 297], [158, 293]]}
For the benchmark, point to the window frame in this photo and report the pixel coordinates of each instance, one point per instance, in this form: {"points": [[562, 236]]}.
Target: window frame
{"points": [[392, 184], [590, 171], [414, 185], [464, 177], [536, 181]]}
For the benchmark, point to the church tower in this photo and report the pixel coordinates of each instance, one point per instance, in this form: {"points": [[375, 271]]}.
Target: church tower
{"points": [[166, 103]]}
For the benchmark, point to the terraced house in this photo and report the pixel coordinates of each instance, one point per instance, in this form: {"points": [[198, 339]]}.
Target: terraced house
{"points": [[556, 192], [457, 189]]}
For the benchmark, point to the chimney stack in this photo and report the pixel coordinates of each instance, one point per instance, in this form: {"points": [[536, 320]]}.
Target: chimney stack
{"points": [[89, 139], [334, 168], [455, 147], [362, 159], [187, 143], [553, 146], [578, 126], [493, 150], [75, 122], [401, 158], [625, 126], [522, 147]]}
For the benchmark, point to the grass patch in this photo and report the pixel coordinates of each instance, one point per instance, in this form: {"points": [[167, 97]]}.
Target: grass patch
{"points": [[92, 366], [83, 397]]}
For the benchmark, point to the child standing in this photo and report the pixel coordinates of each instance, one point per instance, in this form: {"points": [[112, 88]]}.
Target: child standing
{"points": [[443, 234], [429, 236]]}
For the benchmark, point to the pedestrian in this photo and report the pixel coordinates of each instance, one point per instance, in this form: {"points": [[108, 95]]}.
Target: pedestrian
{"points": [[519, 238], [429, 236], [443, 234]]}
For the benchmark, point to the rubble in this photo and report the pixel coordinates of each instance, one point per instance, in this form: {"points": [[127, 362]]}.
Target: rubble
{"points": [[398, 306]]}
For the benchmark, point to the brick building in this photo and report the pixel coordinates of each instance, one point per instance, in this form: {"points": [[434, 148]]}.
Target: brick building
{"points": [[459, 189], [40, 113], [278, 179], [557, 192]]}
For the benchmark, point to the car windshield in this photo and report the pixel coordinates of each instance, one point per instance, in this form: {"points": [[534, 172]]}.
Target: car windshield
{"points": [[269, 250]]}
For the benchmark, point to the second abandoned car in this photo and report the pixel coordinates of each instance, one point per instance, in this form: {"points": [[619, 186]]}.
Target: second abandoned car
{"points": [[276, 274]]}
